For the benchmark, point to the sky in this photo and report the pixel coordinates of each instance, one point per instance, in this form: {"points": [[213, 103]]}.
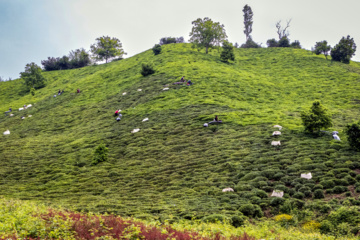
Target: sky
{"points": [[31, 31]]}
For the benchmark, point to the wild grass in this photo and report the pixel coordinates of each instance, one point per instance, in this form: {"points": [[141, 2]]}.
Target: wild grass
{"points": [[174, 166]]}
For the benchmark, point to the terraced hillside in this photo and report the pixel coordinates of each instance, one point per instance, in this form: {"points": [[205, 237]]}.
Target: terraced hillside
{"points": [[174, 167]]}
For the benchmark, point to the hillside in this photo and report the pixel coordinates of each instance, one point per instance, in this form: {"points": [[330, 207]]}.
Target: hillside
{"points": [[174, 167]]}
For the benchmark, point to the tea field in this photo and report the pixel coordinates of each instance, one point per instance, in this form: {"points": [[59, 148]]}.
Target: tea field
{"points": [[174, 168]]}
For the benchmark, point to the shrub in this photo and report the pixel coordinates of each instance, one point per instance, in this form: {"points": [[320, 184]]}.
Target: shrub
{"points": [[168, 40], [297, 203], [350, 179], [344, 50], [325, 208], [261, 193], [250, 44], [353, 135], [215, 218], [237, 221], [157, 49], [100, 154], [327, 184], [295, 44], [276, 201], [227, 52], [272, 43], [147, 69], [286, 207], [299, 195], [247, 209], [326, 227], [339, 189], [318, 194]]}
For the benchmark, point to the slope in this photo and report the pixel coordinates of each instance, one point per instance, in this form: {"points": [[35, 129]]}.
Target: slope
{"points": [[174, 167]]}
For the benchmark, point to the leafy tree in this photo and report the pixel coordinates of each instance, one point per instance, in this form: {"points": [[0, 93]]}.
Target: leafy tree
{"points": [[147, 69], [248, 21], [322, 47], [157, 49], [50, 64], [272, 43], [79, 58], [168, 40], [206, 33], [316, 118], [32, 76], [353, 135], [344, 50], [227, 52], [107, 48], [295, 44], [284, 42]]}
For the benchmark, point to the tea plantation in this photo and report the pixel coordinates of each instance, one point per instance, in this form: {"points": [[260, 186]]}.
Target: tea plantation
{"points": [[175, 168]]}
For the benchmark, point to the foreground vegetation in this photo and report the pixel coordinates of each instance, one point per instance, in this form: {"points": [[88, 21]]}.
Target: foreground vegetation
{"points": [[28, 220], [174, 168]]}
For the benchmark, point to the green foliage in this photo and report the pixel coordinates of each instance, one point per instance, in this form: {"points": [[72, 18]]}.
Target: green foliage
{"points": [[237, 221], [284, 42], [168, 40], [276, 201], [318, 194], [295, 44], [353, 135], [316, 119], [147, 69], [272, 43], [32, 76], [227, 52], [214, 218], [32, 91], [100, 154], [247, 209], [157, 49], [250, 44], [107, 48], [322, 48], [207, 34], [248, 21], [344, 50]]}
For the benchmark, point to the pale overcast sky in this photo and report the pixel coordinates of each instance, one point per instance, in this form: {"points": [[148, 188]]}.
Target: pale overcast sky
{"points": [[31, 31]]}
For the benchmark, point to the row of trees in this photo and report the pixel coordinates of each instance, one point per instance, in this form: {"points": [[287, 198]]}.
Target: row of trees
{"points": [[105, 48]]}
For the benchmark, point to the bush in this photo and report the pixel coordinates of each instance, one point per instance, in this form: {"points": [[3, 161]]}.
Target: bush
{"points": [[353, 135], [327, 184], [284, 42], [247, 209], [276, 201], [157, 49], [297, 203], [299, 195], [227, 52], [318, 194], [168, 40], [326, 227], [147, 69], [250, 44], [325, 208], [272, 43], [100, 154], [339, 189], [215, 218], [344, 50], [237, 221], [295, 44], [261, 193]]}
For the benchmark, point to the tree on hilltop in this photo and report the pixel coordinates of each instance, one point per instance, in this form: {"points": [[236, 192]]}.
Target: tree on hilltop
{"points": [[32, 76], [107, 48], [168, 40], [248, 21], [206, 33], [316, 118], [322, 47], [344, 50], [282, 31]]}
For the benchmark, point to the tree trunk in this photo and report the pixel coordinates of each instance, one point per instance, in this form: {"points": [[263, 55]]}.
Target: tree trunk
{"points": [[207, 49]]}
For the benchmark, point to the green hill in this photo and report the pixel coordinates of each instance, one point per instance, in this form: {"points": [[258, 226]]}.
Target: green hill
{"points": [[175, 167]]}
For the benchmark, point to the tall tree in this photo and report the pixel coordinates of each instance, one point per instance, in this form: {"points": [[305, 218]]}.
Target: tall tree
{"points": [[79, 58], [32, 76], [344, 50], [206, 33], [322, 47], [107, 48], [248, 21], [282, 31]]}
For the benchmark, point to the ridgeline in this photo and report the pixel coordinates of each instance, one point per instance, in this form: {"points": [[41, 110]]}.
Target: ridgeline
{"points": [[174, 167]]}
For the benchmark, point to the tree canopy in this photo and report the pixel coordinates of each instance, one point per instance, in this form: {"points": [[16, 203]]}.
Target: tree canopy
{"points": [[316, 118], [248, 21], [322, 47], [353, 135], [107, 48], [344, 50], [32, 76], [206, 33], [227, 52]]}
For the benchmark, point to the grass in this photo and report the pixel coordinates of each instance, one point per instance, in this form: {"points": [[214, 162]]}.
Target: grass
{"points": [[174, 168]]}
